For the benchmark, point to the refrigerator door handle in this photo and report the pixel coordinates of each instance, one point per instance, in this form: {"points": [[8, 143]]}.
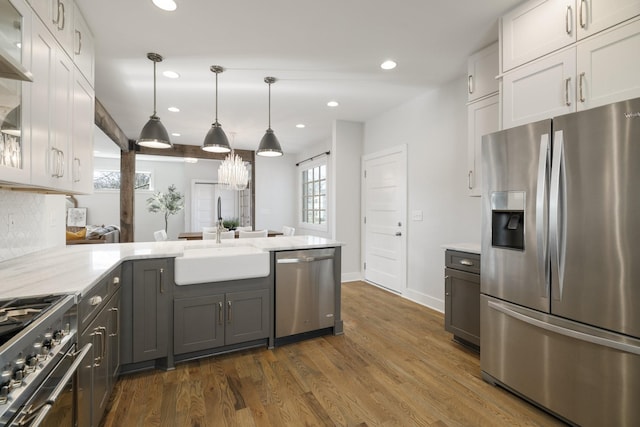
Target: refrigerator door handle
{"points": [[593, 339], [557, 215], [542, 227]]}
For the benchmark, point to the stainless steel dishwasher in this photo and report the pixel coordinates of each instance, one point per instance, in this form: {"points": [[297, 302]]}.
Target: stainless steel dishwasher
{"points": [[305, 291]]}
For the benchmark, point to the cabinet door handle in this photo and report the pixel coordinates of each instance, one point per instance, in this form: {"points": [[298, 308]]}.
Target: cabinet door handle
{"points": [[53, 162], [229, 311], [76, 170], [162, 280], [567, 82], [583, 9], [582, 99], [470, 83], [466, 262], [97, 361], [61, 163], [220, 310], [568, 21], [77, 52], [115, 311], [469, 179], [64, 21], [95, 300]]}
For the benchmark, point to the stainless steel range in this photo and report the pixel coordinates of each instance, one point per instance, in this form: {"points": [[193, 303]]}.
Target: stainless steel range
{"points": [[37, 358]]}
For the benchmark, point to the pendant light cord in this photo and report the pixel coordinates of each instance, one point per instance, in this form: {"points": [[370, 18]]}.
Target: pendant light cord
{"points": [[216, 97], [269, 105], [154, 88]]}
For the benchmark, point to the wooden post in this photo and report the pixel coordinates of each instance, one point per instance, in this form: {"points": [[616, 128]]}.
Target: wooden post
{"points": [[127, 194]]}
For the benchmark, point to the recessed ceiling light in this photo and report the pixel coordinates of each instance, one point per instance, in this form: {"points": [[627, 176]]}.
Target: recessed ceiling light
{"points": [[388, 65], [19, 45], [174, 109], [300, 125], [332, 103], [171, 74], [175, 134], [169, 5]]}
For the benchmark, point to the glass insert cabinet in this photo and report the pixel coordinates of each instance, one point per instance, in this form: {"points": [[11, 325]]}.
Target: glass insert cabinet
{"points": [[14, 20]]}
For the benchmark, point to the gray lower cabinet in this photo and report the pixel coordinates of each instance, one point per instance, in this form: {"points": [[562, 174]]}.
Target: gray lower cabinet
{"points": [[462, 297], [100, 311], [151, 287], [210, 321]]}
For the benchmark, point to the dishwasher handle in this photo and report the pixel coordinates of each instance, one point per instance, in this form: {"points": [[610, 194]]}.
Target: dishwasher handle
{"points": [[303, 259]]}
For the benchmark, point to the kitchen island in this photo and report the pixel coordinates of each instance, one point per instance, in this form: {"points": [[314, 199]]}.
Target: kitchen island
{"points": [[134, 315]]}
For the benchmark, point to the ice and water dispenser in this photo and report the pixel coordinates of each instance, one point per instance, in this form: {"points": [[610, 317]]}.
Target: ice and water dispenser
{"points": [[507, 219]]}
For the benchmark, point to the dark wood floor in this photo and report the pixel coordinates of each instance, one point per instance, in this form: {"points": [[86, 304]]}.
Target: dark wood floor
{"points": [[394, 366]]}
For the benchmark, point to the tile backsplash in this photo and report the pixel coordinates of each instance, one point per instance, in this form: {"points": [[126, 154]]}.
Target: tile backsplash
{"points": [[30, 222]]}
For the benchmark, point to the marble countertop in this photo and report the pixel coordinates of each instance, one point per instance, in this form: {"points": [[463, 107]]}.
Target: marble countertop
{"points": [[473, 248], [75, 269]]}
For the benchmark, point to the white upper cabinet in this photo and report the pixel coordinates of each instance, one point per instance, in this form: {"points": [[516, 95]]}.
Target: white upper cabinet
{"points": [[608, 67], [597, 15], [83, 47], [540, 27], [51, 110], [83, 113], [15, 133], [483, 117], [540, 90], [57, 15], [482, 69], [536, 28]]}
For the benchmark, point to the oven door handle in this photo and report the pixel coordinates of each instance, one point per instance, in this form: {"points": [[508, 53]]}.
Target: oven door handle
{"points": [[41, 411]]}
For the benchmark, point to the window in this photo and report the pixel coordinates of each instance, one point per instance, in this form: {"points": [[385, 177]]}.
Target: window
{"points": [[314, 195], [110, 180]]}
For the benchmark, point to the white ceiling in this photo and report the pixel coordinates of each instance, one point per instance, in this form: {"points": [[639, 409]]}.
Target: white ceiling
{"points": [[318, 50]]}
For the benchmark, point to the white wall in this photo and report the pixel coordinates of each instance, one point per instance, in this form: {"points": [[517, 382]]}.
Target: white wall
{"points": [[275, 192], [433, 126], [346, 152]]}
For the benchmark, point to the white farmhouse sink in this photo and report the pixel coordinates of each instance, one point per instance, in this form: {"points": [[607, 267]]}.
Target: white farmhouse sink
{"points": [[220, 263]]}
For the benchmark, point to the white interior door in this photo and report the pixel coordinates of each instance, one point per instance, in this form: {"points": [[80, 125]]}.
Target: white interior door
{"points": [[204, 205], [385, 200]]}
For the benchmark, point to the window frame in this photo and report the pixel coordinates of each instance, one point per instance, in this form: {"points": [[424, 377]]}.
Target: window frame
{"points": [[108, 190], [308, 166]]}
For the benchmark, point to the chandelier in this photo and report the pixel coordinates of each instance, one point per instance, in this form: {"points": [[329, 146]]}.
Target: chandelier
{"points": [[232, 173]]}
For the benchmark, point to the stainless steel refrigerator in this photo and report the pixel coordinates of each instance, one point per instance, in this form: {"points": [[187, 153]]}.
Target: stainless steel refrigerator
{"points": [[560, 283]]}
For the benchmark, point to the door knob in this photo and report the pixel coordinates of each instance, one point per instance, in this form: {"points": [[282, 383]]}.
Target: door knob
{"points": [[398, 233]]}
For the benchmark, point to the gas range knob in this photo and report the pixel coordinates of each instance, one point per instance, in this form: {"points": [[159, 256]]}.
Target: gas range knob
{"points": [[57, 336], [4, 394], [18, 371], [32, 362], [40, 351], [5, 386]]}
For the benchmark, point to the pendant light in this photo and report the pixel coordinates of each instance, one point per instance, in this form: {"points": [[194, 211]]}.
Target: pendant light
{"points": [[153, 134], [269, 145], [216, 141]]}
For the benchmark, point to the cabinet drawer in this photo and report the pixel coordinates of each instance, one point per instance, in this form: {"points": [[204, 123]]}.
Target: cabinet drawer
{"points": [[97, 297], [464, 261]]}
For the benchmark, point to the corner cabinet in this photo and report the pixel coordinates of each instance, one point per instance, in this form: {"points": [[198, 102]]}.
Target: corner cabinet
{"points": [[462, 297]]}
